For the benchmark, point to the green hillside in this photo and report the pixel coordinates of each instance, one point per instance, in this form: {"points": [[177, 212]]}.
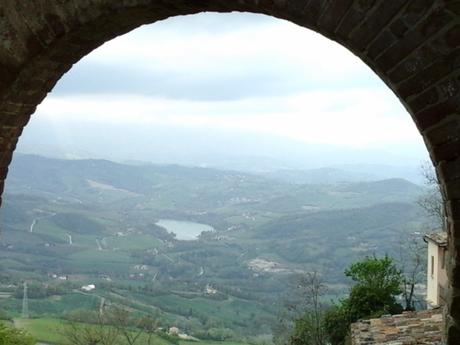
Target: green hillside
{"points": [[71, 223]]}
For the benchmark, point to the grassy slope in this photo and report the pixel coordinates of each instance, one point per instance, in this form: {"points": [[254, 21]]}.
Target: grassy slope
{"points": [[49, 330]]}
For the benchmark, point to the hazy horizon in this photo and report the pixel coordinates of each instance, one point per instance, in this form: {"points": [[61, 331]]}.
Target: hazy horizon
{"points": [[221, 90]]}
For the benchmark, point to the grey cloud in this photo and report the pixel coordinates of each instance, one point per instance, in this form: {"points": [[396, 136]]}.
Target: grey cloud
{"points": [[90, 78], [254, 77], [243, 81]]}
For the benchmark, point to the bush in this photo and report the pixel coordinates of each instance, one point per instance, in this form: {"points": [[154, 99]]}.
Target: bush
{"points": [[11, 336], [337, 324]]}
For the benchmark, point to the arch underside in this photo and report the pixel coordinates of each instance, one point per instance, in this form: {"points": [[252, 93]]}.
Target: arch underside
{"points": [[413, 45]]}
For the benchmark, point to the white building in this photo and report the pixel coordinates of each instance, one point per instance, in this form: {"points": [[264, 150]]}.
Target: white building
{"points": [[436, 269], [174, 331], [209, 290], [88, 288]]}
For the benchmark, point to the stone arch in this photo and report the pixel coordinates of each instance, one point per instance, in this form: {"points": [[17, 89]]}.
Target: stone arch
{"points": [[413, 45]]}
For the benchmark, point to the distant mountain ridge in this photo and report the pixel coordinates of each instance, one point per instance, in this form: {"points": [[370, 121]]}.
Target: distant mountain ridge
{"points": [[345, 174], [206, 147], [54, 174]]}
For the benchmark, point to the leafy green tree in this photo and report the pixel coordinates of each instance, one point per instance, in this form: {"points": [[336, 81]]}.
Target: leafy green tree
{"points": [[12, 336], [377, 282]]}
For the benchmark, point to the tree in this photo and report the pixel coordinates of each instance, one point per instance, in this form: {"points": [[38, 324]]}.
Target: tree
{"points": [[89, 334], [309, 328], [303, 317], [412, 263], [12, 336], [95, 333], [377, 282], [432, 201], [133, 330], [337, 323], [109, 327], [149, 325], [126, 325]]}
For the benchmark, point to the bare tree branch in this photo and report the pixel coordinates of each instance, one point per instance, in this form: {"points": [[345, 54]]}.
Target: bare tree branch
{"points": [[432, 201]]}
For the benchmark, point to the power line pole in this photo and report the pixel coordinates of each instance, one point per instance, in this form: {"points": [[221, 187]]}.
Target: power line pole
{"points": [[25, 303]]}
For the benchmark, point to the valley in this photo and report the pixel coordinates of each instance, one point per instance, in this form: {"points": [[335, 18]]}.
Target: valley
{"points": [[210, 251]]}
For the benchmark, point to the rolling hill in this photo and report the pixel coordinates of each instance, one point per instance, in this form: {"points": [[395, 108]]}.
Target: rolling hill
{"points": [[95, 221]]}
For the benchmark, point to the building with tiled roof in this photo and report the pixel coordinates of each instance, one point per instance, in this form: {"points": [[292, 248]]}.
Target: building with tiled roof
{"points": [[436, 280]]}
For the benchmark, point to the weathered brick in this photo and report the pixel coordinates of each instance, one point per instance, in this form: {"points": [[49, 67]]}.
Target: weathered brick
{"points": [[398, 27], [5, 158], [444, 132], [415, 11], [375, 22], [427, 77], [385, 40], [334, 14], [454, 7], [399, 51], [352, 18], [453, 189], [432, 115], [297, 5], [314, 10], [412, 44], [447, 151], [449, 170], [424, 99], [452, 37], [422, 58], [3, 173], [412, 40]]}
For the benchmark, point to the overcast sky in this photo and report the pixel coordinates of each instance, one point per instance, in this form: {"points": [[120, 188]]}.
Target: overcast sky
{"points": [[235, 72]]}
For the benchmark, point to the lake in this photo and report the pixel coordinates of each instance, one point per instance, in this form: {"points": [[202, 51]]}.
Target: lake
{"points": [[185, 231]]}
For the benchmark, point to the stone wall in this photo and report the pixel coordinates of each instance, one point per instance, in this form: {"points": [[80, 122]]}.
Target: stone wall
{"points": [[410, 328], [413, 45]]}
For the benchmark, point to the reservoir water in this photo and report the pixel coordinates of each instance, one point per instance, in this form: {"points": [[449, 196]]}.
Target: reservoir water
{"points": [[185, 231]]}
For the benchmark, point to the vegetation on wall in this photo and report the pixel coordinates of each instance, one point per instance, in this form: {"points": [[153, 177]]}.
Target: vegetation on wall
{"points": [[376, 285]]}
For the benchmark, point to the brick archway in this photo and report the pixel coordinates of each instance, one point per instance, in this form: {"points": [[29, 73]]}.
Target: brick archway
{"points": [[413, 45]]}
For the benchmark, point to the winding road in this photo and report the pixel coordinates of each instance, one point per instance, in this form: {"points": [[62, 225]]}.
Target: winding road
{"points": [[34, 222], [31, 229]]}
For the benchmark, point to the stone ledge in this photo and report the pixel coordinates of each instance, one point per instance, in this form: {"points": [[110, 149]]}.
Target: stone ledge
{"points": [[410, 328]]}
